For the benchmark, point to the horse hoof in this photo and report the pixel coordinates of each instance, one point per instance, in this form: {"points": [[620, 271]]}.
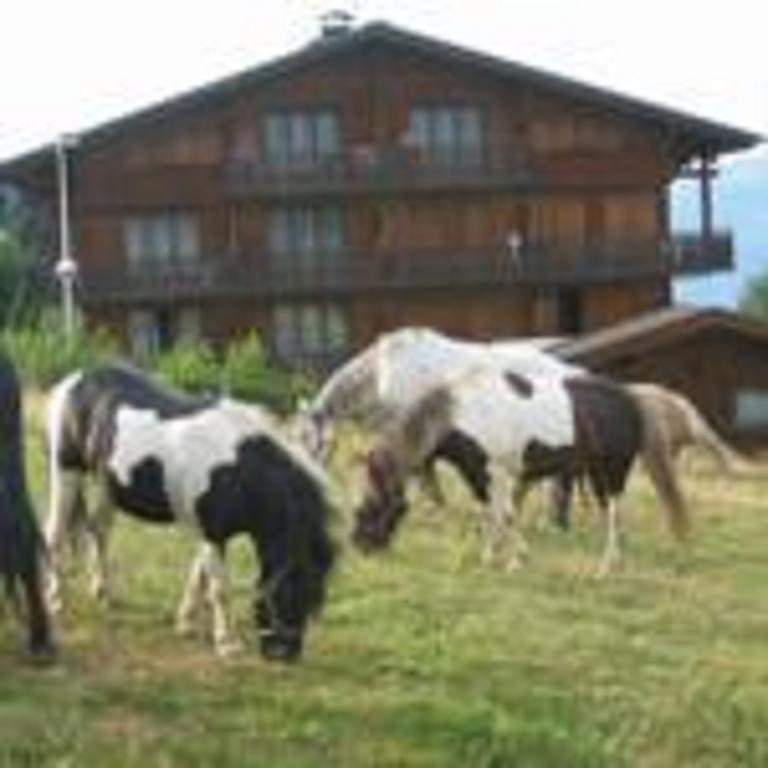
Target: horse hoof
{"points": [[185, 628], [605, 569], [227, 649], [42, 654]]}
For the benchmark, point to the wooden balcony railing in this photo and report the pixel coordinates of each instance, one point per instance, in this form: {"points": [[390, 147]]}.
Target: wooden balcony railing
{"points": [[382, 168], [355, 271], [694, 253]]}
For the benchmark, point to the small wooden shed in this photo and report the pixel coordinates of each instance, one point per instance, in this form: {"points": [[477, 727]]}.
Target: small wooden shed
{"points": [[719, 359]]}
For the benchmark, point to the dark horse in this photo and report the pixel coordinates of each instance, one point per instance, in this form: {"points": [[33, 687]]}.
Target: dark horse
{"points": [[20, 542], [219, 467]]}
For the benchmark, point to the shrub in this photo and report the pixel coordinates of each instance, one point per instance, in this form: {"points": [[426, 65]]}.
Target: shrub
{"points": [[190, 366], [43, 354], [248, 375]]}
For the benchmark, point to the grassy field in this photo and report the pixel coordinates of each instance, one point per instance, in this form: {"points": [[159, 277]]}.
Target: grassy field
{"points": [[425, 658]]}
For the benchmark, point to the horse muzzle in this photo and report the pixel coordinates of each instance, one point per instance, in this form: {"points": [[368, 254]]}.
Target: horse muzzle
{"points": [[283, 647]]}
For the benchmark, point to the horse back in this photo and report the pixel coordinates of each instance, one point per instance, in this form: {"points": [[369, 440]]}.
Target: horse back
{"points": [[83, 407]]}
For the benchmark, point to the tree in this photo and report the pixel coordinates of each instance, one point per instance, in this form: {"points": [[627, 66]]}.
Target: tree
{"points": [[754, 298], [21, 294]]}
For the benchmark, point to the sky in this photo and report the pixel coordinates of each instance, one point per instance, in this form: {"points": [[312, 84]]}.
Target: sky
{"points": [[68, 66], [81, 62]]}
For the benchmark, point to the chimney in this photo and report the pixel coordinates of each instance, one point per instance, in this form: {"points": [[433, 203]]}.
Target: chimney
{"points": [[335, 23]]}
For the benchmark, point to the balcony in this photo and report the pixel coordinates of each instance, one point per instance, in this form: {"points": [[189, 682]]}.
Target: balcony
{"points": [[699, 254], [349, 272], [382, 168]]}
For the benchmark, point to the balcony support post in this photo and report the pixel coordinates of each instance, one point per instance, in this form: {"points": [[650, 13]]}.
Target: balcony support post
{"points": [[705, 190]]}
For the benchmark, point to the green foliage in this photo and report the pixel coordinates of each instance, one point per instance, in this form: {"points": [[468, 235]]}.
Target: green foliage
{"points": [[248, 375], [188, 366], [754, 298], [43, 354], [243, 371], [20, 295]]}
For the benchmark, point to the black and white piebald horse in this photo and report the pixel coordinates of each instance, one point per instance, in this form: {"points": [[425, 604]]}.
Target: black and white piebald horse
{"points": [[505, 430], [219, 467], [20, 541]]}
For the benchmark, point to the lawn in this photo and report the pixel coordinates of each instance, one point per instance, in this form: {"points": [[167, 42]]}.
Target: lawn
{"points": [[423, 657]]}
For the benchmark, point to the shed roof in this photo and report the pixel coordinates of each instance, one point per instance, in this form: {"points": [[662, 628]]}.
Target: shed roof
{"points": [[653, 329]]}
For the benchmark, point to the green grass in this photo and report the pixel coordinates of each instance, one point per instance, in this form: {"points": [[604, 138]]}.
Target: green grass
{"points": [[425, 658]]}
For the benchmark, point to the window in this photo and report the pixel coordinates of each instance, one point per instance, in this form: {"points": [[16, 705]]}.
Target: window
{"points": [[162, 237], [570, 311], [751, 409], [155, 330], [447, 135], [305, 237], [309, 332], [301, 138]]}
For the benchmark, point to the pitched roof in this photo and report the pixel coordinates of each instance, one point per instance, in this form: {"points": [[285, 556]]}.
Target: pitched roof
{"points": [[716, 136], [649, 330]]}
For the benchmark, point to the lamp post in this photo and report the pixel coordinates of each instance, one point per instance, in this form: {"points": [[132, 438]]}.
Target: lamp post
{"points": [[66, 266]]}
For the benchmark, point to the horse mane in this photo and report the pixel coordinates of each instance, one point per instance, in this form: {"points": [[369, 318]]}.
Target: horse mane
{"points": [[341, 392], [416, 434]]}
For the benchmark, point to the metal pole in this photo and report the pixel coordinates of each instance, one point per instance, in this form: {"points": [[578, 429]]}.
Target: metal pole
{"points": [[66, 267]]}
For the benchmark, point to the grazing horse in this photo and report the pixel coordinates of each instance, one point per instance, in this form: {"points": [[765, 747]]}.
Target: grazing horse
{"points": [[389, 376], [515, 429], [20, 542], [383, 381], [217, 466]]}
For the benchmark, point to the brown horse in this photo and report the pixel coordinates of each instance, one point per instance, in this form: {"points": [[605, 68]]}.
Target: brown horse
{"points": [[502, 432], [20, 541]]}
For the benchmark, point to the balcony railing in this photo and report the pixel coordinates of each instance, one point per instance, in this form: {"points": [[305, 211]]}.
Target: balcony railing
{"points": [[382, 168], [697, 254], [355, 271]]}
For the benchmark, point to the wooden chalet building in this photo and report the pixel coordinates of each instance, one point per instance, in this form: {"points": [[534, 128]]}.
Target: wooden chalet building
{"points": [[377, 178]]}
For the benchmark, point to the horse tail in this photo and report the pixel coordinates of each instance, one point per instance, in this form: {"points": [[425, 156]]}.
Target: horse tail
{"points": [[657, 459], [729, 460]]}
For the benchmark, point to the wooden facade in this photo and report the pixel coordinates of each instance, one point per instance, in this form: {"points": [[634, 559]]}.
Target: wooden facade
{"points": [[717, 359], [378, 178]]}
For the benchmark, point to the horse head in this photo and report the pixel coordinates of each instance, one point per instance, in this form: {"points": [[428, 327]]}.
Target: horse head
{"points": [[297, 554], [384, 505]]}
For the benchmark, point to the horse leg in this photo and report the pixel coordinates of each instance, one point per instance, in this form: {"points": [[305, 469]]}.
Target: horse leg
{"points": [[99, 529], [562, 500], [225, 642], [193, 592], [430, 484], [40, 643], [612, 551], [65, 494], [501, 522]]}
